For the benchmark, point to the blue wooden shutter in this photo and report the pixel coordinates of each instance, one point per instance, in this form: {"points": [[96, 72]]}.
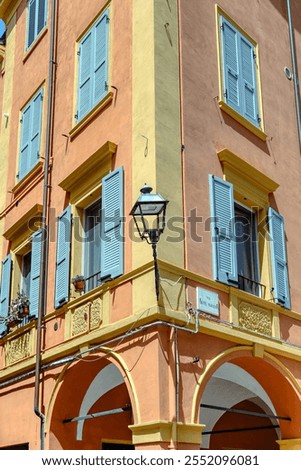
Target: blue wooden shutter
{"points": [[85, 76], [35, 274], [93, 66], [30, 135], [5, 289], [25, 142], [223, 239], [232, 90], [63, 258], [281, 292], [239, 72], [112, 225], [41, 15], [248, 78], [36, 19], [35, 136], [100, 58], [31, 22]]}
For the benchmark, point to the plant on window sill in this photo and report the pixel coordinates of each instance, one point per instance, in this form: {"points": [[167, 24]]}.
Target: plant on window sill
{"points": [[13, 320], [79, 283], [20, 305]]}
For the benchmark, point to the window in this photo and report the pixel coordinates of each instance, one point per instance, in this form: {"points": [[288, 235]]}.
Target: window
{"points": [[235, 244], [92, 251], [26, 273], [36, 19], [98, 237], [30, 135], [245, 231], [26, 277], [93, 66], [239, 74]]}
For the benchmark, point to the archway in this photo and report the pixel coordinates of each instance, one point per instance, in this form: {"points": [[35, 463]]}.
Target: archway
{"points": [[237, 412], [92, 408], [248, 402]]}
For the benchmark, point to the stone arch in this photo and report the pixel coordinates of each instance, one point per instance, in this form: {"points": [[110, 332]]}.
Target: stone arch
{"points": [[259, 385], [92, 385]]}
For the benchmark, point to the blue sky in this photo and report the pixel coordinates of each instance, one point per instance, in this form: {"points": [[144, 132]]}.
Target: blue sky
{"points": [[2, 27]]}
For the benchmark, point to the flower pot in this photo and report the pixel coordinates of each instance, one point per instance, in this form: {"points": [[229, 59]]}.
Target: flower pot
{"points": [[79, 286], [14, 322], [24, 311]]}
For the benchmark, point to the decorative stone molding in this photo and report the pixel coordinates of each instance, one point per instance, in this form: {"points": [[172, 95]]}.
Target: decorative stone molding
{"points": [[79, 322], [96, 313], [289, 444], [17, 349], [255, 318], [86, 317], [162, 431]]}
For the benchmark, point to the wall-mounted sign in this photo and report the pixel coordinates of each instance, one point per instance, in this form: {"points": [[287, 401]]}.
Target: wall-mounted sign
{"points": [[207, 301]]}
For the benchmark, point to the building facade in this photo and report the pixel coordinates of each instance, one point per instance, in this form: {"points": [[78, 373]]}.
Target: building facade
{"points": [[195, 99]]}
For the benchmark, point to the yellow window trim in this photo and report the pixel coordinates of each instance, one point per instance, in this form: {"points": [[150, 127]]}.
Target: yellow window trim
{"points": [[36, 41], [242, 120], [258, 131], [106, 100], [22, 229], [252, 189], [36, 171], [5, 8], [87, 176], [86, 119], [246, 179]]}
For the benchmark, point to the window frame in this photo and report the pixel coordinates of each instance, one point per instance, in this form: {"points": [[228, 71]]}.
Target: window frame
{"points": [[105, 97], [85, 250], [234, 112], [220, 233], [24, 282], [252, 188], [252, 216], [85, 185], [37, 32], [31, 162]]}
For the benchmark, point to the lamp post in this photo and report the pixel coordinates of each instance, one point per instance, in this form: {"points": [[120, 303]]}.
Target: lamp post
{"points": [[149, 213]]}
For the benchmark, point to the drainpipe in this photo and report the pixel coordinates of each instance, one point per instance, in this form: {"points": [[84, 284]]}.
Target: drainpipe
{"points": [[294, 65], [44, 234]]}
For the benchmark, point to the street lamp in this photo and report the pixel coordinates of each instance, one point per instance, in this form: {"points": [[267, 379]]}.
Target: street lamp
{"points": [[149, 215]]}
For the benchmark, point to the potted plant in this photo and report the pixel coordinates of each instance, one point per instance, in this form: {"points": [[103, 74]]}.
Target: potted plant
{"points": [[23, 302], [79, 283], [13, 318]]}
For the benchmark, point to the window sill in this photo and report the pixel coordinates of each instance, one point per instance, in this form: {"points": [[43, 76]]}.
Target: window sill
{"points": [[86, 119], [28, 178], [35, 43], [243, 121]]}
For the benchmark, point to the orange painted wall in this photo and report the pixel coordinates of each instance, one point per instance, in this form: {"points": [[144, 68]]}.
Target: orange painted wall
{"points": [[260, 439], [112, 124], [207, 129]]}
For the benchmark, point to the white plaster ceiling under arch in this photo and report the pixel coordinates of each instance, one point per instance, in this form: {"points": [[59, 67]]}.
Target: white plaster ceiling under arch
{"points": [[229, 385]]}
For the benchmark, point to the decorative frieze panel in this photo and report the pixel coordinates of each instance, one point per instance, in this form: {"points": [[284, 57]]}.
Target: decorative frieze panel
{"points": [[96, 313], [86, 317], [17, 349], [255, 318], [79, 322]]}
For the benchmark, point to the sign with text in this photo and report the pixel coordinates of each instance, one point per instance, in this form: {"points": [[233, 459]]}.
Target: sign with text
{"points": [[207, 301]]}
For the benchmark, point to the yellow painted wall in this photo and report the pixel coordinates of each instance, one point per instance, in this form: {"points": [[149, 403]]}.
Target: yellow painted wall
{"points": [[7, 79]]}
